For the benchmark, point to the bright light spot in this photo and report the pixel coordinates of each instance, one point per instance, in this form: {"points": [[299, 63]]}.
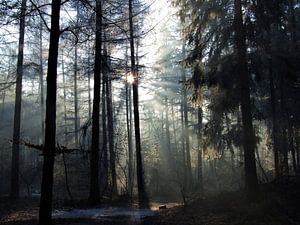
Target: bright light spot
{"points": [[129, 78]]}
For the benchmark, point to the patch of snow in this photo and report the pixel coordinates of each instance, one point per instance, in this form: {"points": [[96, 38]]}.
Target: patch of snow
{"points": [[103, 213]]}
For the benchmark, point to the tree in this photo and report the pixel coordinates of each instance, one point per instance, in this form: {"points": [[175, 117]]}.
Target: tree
{"points": [[45, 212], [248, 131], [143, 199], [94, 180], [14, 192]]}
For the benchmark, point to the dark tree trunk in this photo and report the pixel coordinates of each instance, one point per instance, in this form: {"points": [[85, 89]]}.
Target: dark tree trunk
{"points": [[14, 188], [129, 136], [50, 128], [89, 86], [275, 134], [248, 131], [184, 167], [104, 154], [94, 167], [112, 154], [64, 98], [264, 21], [76, 109], [188, 167], [284, 127], [42, 106], [76, 119], [143, 198], [199, 140]]}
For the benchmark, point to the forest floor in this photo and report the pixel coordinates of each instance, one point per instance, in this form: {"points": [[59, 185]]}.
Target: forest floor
{"points": [[277, 205]]}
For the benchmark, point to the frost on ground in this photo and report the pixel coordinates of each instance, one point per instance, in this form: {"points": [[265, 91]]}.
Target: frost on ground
{"points": [[103, 213]]}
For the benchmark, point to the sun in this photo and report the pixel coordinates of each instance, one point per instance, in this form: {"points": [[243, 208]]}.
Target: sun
{"points": [[129, 78]]}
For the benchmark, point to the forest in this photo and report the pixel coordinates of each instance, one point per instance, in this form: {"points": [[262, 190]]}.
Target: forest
{"points": [[161, 112]]}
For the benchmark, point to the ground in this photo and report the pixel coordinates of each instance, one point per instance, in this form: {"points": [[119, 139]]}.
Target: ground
{"points": [[277, 205]]}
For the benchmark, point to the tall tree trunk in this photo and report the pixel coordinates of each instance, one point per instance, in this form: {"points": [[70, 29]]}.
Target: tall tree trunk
{"points": [[188, 167], [169, 155], [143, 199], [112, 154], [89, 86], [275, 134], [76, 119], [104, 154], [129, 137], [248, 131], [94, 167], [41, 73], [14, 189], [174, 128], [199, 140], [186, 123], [64, 97], [50, 128], [184, 167], [284, 127], [265, 22]]}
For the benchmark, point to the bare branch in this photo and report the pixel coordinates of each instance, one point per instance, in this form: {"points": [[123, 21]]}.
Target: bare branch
{"points": [[40, 13]]}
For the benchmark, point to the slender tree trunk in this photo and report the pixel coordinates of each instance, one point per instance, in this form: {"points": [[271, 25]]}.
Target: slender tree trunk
{"points": [[185, 132], [67, 178], [104, 154], [50, 128], [76, 119], [199, 137], [94, 167], [14, 189], [42, 82], [276, 143], [169, 155], [297, 151], [284, 127], [89, 87], [143, 198], [184, 167], [64, 97], [248, 131], [129, 136], [112, 154], [174, 128]]}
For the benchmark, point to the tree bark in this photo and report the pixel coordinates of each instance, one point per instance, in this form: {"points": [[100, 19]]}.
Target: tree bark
{"points": [[45, 212], [185, 129], [94, 167], [199, 140], [104, 154], [143, 199], [14, 189], [42, 106], [76, 119], [129, 136], [248, 131], [112, 154], [64, 98]]}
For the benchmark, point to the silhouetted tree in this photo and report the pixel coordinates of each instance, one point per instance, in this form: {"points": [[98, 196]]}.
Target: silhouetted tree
{"points": [[94, 163], [14, 190], [45, 212]]}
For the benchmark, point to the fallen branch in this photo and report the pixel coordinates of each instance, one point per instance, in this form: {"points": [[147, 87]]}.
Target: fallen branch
{"points": [[58, 150]]}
